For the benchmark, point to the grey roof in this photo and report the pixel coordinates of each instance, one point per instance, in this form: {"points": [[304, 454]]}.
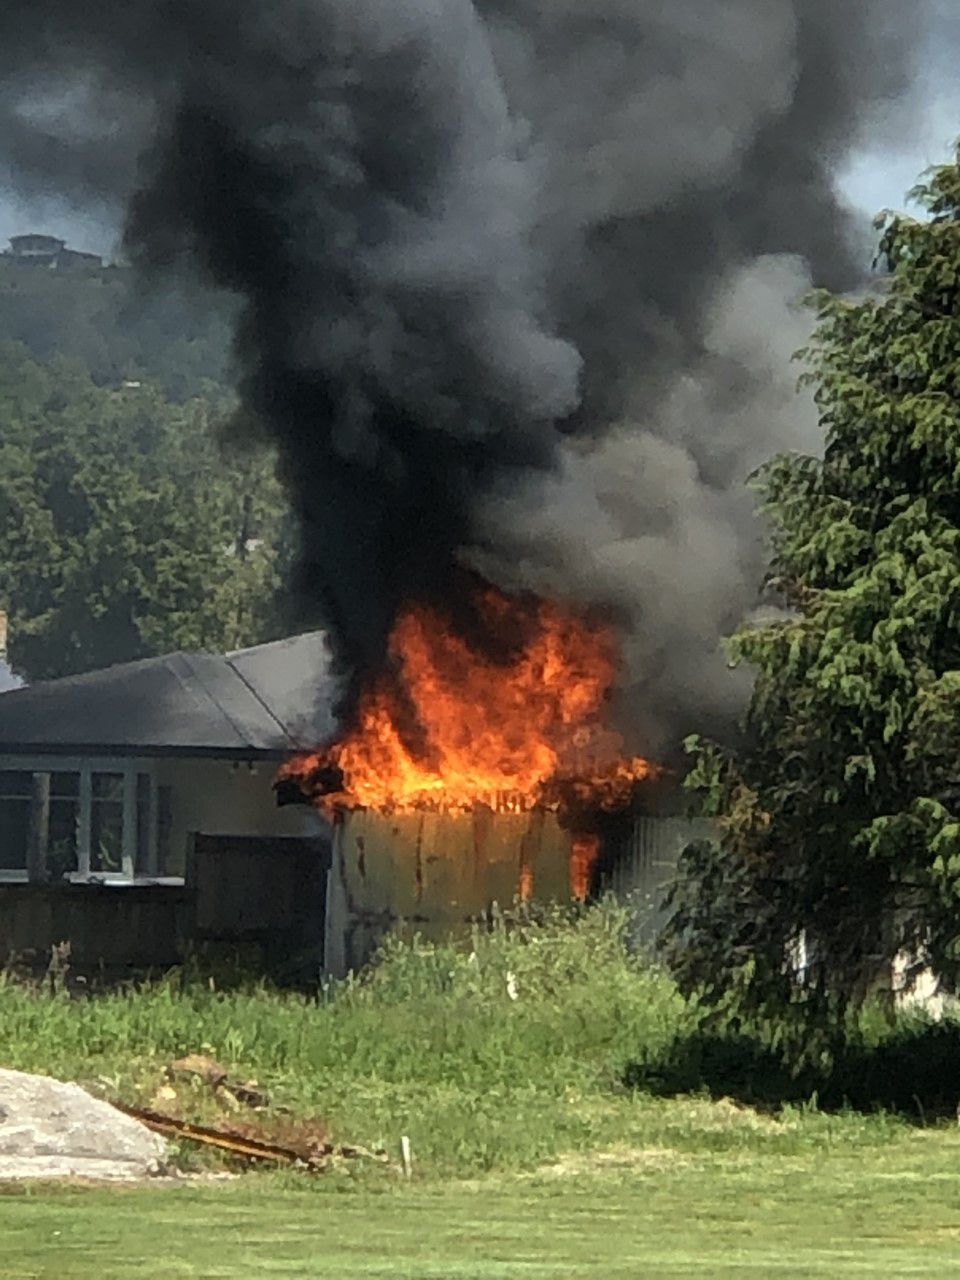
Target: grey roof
{"points": [[263, 701]]}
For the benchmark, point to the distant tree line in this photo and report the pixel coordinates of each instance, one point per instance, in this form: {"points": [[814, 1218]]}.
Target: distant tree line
{"points": [[125, 530], [118, 328]]}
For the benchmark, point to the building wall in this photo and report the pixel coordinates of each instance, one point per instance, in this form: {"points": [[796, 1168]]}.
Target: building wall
{"points": [[212, 797], [641, 868], [218, 797], [434, 873], [257, 871]]}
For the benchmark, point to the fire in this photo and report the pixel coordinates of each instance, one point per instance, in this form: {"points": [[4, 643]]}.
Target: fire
{"points": [[447, 725], [583, 857]]}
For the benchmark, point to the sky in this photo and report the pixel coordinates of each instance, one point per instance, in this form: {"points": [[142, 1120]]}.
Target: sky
{"points": [[880, 179]]}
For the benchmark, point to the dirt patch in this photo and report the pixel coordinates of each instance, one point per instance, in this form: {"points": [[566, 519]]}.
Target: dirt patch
{"points": [[723, 1114]]}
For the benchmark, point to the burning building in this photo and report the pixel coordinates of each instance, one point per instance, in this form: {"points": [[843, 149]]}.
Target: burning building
{"points": [[138, 816], [515, 294], [50, 253], [478, 768]]}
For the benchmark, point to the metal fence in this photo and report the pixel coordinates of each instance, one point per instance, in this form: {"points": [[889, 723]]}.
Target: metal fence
{"points": [[645, 864]]}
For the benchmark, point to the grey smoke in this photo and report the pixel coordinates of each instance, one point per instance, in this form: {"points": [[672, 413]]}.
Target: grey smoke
{"points": [[654, 516], [689, 203], [518, 277]]}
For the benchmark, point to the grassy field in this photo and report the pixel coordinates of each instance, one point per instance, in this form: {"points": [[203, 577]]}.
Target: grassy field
{"points": [[889, 1211], [508, 1066]]}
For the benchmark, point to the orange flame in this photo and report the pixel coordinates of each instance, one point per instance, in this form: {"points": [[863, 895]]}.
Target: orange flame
{"points": [[447, 726], [583, 858]]}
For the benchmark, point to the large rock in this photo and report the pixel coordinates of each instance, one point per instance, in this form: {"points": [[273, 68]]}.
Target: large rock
{"points": [[49, 1129]]}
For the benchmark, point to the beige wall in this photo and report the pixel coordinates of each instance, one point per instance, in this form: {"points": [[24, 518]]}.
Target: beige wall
{"points": [[218, 797]]}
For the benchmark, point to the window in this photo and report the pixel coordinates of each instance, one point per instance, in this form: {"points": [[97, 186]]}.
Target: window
{"points": [[106, 822], [16, 791], [72, 819], [64, 823]]}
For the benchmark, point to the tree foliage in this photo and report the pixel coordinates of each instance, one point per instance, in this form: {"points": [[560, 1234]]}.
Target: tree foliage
{"points": [[118, 329], [124, 532], [839, 812]]}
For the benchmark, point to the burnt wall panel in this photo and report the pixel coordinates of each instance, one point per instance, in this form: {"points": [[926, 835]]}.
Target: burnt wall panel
{"points": [[432, 873]]}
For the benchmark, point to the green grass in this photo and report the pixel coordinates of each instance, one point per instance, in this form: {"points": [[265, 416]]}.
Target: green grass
{"points": [[505, 1063], [891, 1212], [497, 1057]]}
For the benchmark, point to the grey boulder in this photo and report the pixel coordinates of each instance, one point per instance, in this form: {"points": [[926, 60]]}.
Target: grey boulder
{"points": [[49, 1129]]}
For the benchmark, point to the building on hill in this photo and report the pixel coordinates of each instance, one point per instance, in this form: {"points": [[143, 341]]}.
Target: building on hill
{"points": [[51, 253], [34, 247]]}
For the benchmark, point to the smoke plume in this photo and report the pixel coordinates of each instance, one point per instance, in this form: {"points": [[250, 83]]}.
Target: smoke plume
{"points": [[517, 277]]}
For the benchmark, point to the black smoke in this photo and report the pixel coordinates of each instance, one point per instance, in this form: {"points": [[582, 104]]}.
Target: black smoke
{"points": [[516, 276]]}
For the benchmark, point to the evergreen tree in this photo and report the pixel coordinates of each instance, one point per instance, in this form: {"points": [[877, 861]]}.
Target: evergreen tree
{"points": [[839, 812]]}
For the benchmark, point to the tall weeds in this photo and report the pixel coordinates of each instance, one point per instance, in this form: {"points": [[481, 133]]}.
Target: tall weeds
{"points": [[485, 1053]]}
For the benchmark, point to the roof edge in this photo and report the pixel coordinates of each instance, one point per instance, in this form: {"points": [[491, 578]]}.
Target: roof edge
{"points": [[108, 751]]}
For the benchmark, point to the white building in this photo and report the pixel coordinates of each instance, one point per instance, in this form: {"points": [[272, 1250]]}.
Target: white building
{"points": [[153, 781]]}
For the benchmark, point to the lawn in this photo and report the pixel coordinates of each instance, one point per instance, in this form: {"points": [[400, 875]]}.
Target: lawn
{"points": [[525, 1070], [889, 1211]]}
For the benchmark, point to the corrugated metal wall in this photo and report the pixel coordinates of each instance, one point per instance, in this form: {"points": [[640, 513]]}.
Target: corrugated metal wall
{"points": [[432, 873], [643, 866]]}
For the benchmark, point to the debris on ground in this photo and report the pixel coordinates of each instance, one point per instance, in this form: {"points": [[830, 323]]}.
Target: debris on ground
{"points": [[302, 1146], [197, 1066], [51, 1129]]}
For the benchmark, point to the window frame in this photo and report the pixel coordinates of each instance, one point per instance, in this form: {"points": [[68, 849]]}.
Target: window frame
{"points": [[132, 769], [19, 875]]}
